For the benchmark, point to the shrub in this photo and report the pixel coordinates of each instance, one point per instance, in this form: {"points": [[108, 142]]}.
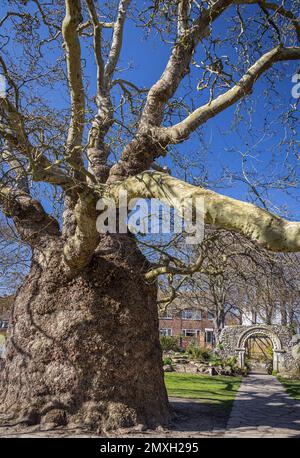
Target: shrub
{"points": [[167, 361], [242, 371], [196, 352], [231, 362], [215, 359], [169, 343]]}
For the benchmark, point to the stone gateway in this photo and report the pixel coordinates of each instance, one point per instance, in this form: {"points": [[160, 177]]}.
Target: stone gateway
{"points": [[233, 342]]}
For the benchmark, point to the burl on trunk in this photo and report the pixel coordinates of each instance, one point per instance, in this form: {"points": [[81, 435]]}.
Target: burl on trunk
{"points": [[84, 350]]}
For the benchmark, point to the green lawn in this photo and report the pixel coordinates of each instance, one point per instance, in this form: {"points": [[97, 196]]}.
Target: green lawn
{"points": [[220, 390], [292, 387]]}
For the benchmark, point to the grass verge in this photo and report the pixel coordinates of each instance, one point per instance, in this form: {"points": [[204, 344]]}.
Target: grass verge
{"points": [[218, 390], [292, 387]]}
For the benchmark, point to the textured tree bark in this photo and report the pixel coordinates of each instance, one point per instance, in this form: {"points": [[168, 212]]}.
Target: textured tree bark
{"points": [[84, 349], [219, 323]]}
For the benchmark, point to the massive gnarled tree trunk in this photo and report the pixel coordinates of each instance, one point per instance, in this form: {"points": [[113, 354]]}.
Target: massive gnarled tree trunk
{"points": [[83, 343], [84, 349]]}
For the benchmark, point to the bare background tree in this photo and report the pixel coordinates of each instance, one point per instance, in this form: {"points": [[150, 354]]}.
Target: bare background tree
{"points": [[83, 347], [14, 260], [237, 280]]}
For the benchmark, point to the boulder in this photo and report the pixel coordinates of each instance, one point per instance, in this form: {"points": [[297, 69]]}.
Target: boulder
{"points": [[180, 360], [209, 370], [186, 368], [199, 365], [179, 367], [168, 368], [212, 371], [191, 368], [217, 370]]}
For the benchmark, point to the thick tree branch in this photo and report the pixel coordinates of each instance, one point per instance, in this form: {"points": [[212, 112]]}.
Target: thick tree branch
{"points": [[117, 40], [183, 15], [79, 248], [146, 146], [151, 140], [175, 270], [178, 65], [70, 24], [181, 131], [97, 45], [97, 152], [33, 224], [97, 149], [270, 231], [16, 166]]}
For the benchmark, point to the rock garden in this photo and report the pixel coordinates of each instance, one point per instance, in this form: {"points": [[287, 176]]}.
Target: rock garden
{"points": [[197, 360]]}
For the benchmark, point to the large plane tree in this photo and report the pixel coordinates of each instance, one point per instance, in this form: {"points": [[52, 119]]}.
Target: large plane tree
{"points": [[83, 345]]}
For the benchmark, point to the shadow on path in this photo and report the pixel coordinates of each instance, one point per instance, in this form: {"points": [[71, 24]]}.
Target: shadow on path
{"points": [[262, 408]]}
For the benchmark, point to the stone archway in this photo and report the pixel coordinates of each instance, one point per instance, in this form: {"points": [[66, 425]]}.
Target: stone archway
{"points": [[263, 331], [233, 340]]}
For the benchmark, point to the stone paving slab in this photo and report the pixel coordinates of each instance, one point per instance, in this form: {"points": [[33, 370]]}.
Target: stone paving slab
{"points": [[262, 408]]}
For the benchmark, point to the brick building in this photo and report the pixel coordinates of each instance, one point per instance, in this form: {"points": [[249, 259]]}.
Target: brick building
{"points": [[188, 325]]}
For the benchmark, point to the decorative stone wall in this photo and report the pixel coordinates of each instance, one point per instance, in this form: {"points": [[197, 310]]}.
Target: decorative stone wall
{"points": [[233, 340]]}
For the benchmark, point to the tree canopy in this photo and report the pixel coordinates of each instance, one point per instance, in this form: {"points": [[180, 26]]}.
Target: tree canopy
{"points": [[73, 128]]}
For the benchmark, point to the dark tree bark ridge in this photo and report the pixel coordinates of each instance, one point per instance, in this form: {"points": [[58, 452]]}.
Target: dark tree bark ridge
{"points": [[84, 349]]}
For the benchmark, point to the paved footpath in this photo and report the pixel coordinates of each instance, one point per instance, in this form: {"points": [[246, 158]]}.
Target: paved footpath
{"points": [[262, 408]]}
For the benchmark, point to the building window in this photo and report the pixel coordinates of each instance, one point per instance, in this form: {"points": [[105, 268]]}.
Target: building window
{"points": [[165, 332], [190, 332], [209, 336], [191, 314], [210, 316], [167, 315]]}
